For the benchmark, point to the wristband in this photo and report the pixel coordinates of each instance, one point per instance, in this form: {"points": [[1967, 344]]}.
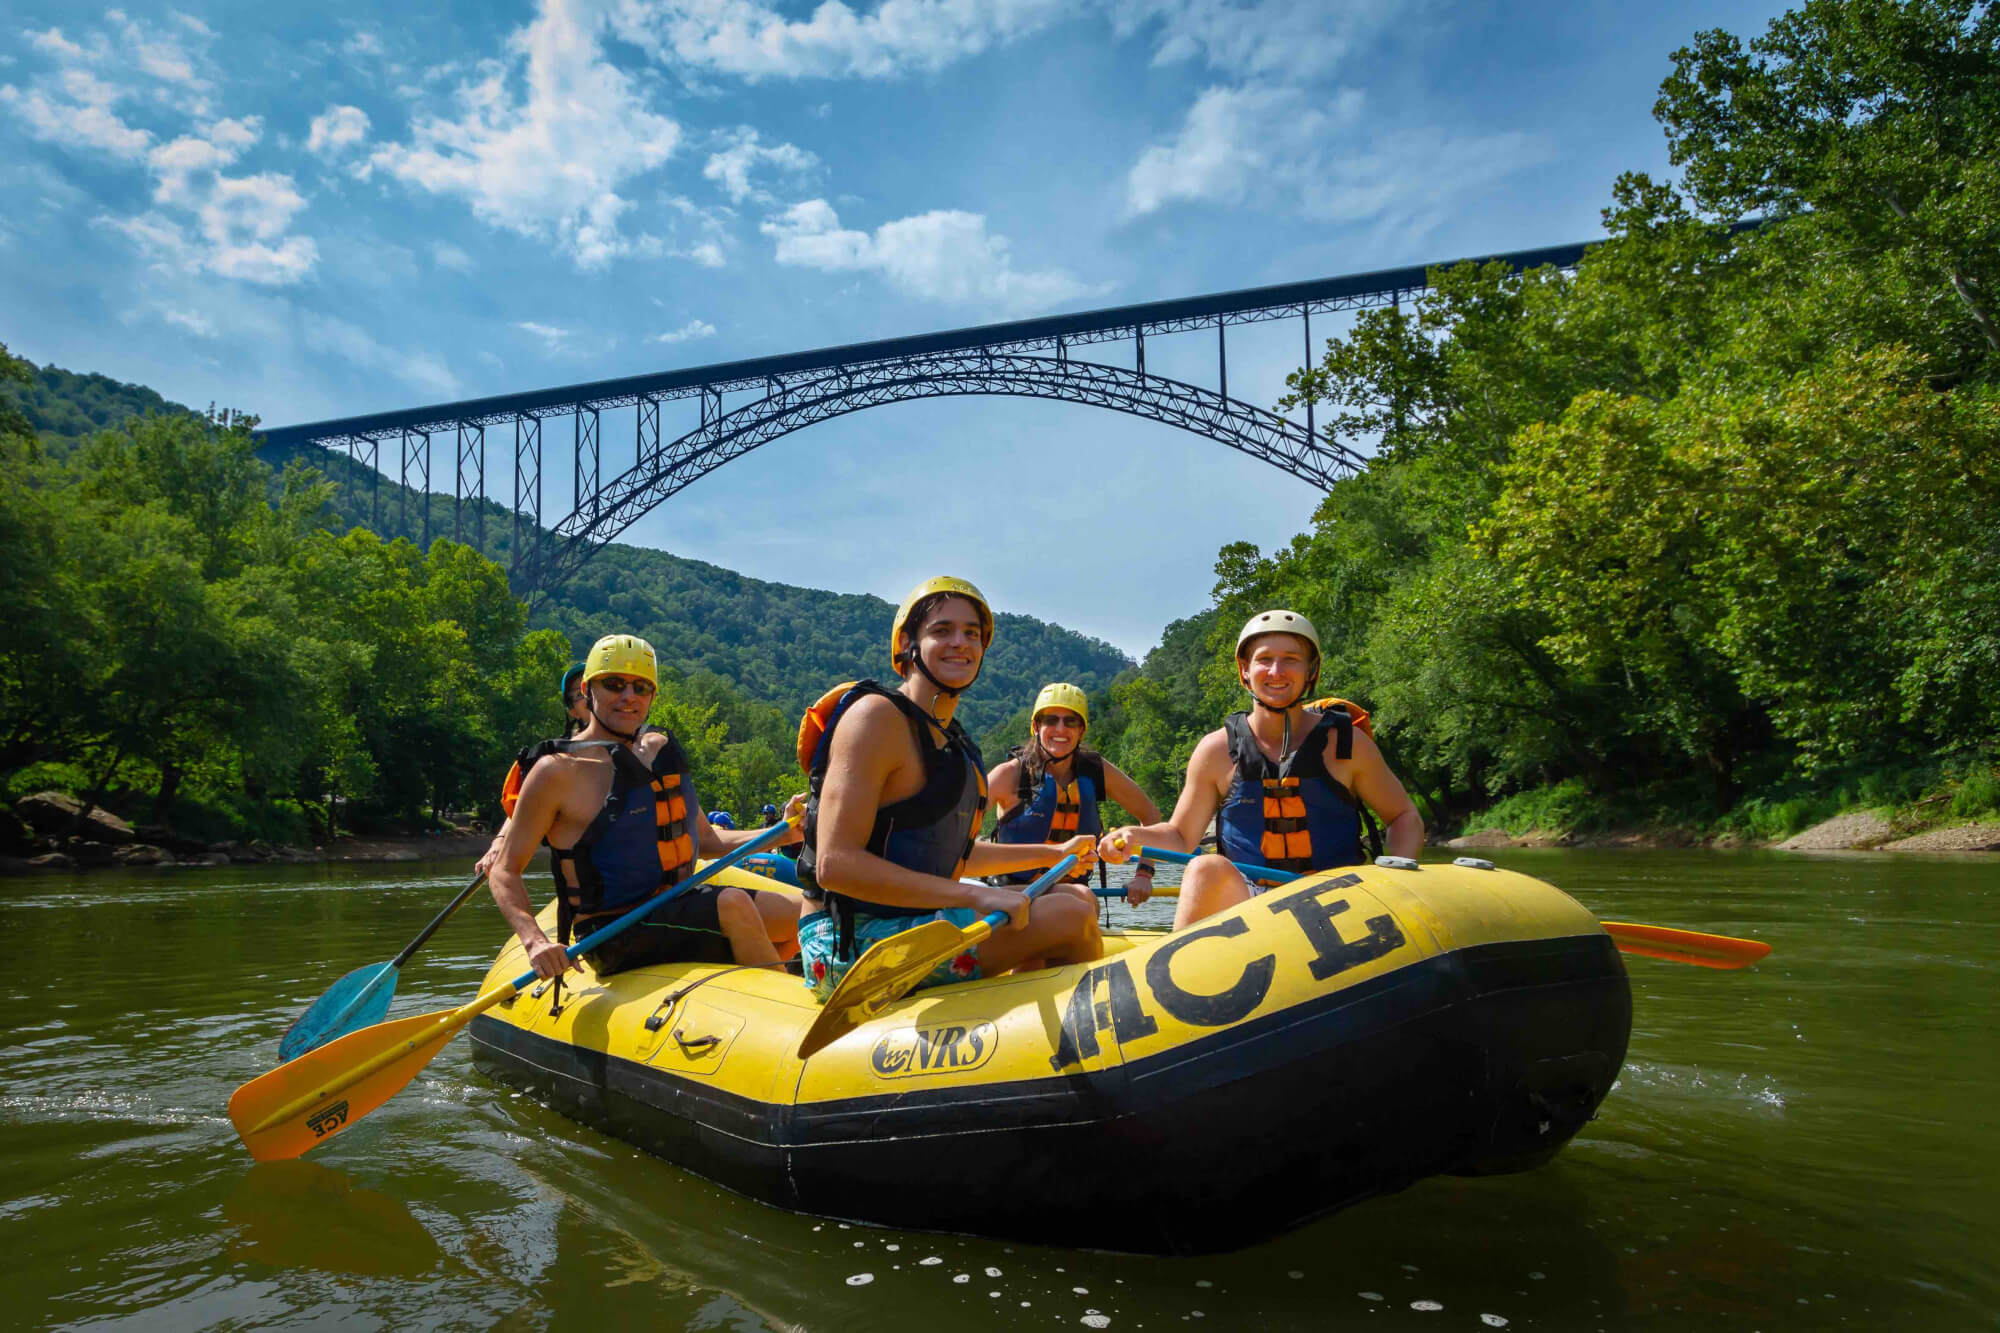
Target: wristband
{"points": [[1144, 868]]}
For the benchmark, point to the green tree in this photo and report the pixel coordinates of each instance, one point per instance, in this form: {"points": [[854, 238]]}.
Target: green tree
{"points": [[1882, 116]]}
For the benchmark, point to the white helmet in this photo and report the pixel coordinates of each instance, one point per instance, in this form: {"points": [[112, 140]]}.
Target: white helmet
{"points": [[1277, 622]]}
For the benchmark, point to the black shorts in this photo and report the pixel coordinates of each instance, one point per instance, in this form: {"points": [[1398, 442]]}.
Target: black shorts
{"points": [[686, 930]]}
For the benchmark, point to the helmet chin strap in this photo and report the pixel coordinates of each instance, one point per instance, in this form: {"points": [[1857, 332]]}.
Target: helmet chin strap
{"points": [[917, 657]]}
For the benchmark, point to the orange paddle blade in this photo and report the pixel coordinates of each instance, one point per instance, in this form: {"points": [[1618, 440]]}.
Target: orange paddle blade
{"points": [[303, 1103], [1685, 946]]}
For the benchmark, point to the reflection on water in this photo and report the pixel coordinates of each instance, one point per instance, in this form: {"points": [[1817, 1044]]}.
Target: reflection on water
{"points": [[1802, 1146], [303, 1215]]}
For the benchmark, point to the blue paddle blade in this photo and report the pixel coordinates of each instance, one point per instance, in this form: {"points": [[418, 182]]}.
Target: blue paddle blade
{"points": [[358, 1000]]}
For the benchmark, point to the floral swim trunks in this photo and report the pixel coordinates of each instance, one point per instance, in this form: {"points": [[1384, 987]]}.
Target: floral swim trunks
{"points": [[823, 970]]}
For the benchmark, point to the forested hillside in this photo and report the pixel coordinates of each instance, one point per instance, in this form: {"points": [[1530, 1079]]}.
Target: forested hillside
{"points": [[773, 642], [225, 643]]}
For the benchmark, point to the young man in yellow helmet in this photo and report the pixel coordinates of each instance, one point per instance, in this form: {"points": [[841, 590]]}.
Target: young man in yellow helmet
{"points": [[896, 798], [618, 809], [1285, 784], [1049, 790]]}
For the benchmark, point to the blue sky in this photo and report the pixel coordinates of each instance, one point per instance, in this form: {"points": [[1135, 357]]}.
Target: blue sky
{"points": [[310, 213]]}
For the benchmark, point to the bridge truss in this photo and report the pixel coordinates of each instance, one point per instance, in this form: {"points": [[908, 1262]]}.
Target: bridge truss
{"points": [[744, 404]]}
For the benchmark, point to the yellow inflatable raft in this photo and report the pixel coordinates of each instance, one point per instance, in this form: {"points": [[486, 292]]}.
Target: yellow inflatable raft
{"points": [[1339, 1037]]}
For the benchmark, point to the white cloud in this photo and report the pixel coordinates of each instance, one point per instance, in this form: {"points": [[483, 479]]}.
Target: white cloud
{"points": [[543, 142], [76, 111], [336, 128], [195, 323], [752, 40], [554, 339], [944, 255], [177, 164], [1232, 142], [696, 233], [1292, 39], [420, 370], [244, 220], [688, 332], [732, 166], [365, 42], [202, 219], [446, 255], [1279, 148], [755, 40], [54, 43]]}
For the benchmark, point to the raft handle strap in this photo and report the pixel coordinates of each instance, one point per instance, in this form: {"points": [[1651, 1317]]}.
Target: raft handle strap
{"points": [[658, 1018]]}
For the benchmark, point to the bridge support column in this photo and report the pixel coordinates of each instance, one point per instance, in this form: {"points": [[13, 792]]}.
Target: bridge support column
{"points": [[417, 453], [646, 444], [1306, 312], [471, 466], [527, 492], [586, 462], [366, 451]]}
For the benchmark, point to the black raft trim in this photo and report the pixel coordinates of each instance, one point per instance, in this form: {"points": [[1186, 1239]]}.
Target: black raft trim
{"points": [[1391, 1000]]}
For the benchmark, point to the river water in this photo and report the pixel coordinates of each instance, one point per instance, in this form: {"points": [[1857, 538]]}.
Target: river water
{"points": [[1807, 1145]]}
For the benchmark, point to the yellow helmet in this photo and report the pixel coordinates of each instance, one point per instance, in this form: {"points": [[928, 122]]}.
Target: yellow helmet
{"points": [[899, 641], [622, 655], [1277, 622], [1060, 695]]}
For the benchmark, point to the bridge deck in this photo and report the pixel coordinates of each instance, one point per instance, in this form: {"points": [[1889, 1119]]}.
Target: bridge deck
{"points": [[1047, 332]]}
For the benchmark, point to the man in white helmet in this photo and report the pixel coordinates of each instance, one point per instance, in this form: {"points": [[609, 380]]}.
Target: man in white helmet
{"points": [[1289, 785]]}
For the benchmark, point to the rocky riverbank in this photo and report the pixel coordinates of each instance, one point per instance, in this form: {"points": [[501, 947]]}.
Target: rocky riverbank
{"points": [[53, 832], [1862, 831]]}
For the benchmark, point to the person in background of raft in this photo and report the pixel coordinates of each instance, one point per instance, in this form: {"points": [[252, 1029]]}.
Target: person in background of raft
{"points": [[1291, 782], [1049, 789], [896, 799], [618, 809], [510, 790], [723, 819]]}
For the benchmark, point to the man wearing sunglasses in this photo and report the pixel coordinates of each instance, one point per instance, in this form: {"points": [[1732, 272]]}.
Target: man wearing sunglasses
{"points": [[618, 810]]}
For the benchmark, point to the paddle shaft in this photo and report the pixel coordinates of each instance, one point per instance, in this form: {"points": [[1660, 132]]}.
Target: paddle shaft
{"points": [[437, 921], [976, 933], [583, 946], [1664, 942], [449, 1023], [986, 924], [1268, 874]]}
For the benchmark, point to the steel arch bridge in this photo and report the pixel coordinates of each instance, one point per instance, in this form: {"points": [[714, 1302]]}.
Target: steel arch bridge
{"points": [[778, 395]]}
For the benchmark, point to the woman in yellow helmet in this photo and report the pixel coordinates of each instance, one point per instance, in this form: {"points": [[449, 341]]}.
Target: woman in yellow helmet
{"points": [[617, 807], [1286, 782], [1049, 790], [897, 794]]}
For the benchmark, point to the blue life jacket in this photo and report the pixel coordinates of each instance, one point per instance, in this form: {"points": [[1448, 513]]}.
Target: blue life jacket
{"points": [[637, 847], [930, 832], [1291, 816], [1053, 812]]}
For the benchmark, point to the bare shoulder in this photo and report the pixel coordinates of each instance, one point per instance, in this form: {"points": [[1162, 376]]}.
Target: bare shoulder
{"points": [[1211, 756], [869, 712]]}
